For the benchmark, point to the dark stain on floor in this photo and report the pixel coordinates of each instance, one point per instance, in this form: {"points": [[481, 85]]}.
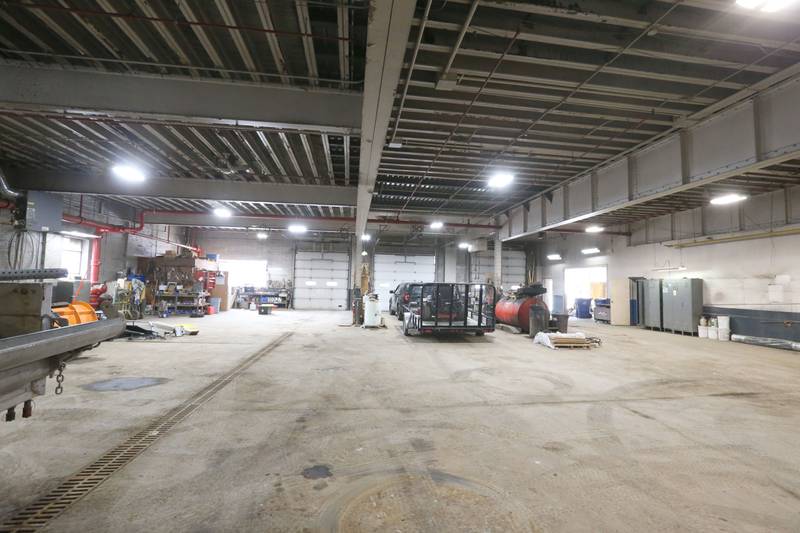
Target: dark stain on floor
{"points": [[317, 472], [123, 384]]}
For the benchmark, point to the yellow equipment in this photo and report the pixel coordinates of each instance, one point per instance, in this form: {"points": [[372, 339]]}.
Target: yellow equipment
{"points": [[77, 313]]}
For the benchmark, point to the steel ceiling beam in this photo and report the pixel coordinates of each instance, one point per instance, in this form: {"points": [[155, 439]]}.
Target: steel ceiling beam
{"points": [[87, 92], [387, 35], [188, 189]]}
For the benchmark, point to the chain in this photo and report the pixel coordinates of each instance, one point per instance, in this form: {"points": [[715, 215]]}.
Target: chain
{"points": [[60, 377]]}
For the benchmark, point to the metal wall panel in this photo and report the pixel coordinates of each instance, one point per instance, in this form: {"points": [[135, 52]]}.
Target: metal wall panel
{"points": [[580, 196], [517, 220], [764, 211], [555, 209], [535, 214], [513, 267], [779, 117], [612, 184], [720, 219], [722, 143], [687, 224], [659, 167]]}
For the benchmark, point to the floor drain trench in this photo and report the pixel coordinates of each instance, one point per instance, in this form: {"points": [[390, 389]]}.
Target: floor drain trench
{"points": [[40, 512]]}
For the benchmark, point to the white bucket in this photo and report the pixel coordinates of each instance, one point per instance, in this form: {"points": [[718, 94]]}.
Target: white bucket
{"points": [[724, 322], [724, 334], [702, 332], [712, 332]]}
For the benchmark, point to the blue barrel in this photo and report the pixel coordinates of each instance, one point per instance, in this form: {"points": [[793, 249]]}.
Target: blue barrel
{"points": [[583, 307]]}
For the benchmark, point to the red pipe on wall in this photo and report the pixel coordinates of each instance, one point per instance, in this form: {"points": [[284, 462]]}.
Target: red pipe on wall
{"points": [[94, 271], [109, 228]]}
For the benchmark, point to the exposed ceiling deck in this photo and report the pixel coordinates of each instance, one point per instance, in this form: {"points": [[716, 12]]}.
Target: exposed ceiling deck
{"points": [[541, 89], [310, 43], [547, 90]]}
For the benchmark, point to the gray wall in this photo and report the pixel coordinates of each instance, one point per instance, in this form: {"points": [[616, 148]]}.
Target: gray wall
{"points": [[736, 274]]}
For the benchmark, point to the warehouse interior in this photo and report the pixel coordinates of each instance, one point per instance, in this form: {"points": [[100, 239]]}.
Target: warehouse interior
{"points": [[399, 265]]}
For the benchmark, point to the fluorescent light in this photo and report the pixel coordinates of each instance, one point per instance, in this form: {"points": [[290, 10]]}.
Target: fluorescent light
{"points": [[437, 224], [766, 6], [590, 251], [395, 144], [776, 5], [463, 245], [515, 287], [728, 199], [364, 253], [296, 228], [500, 179], [222, 212], [310, 283], [594, 229], [128, 173], [80, 234], [366, 237], [332, 283], [669, 269], [262, 236], [554, 257]]}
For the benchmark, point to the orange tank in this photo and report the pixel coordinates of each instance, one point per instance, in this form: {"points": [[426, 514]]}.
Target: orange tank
{"points": [[77, 313]]}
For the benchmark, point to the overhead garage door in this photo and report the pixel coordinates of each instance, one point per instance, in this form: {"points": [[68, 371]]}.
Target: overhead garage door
{"points": [[390, 270], [513, 263], [320, 280]]}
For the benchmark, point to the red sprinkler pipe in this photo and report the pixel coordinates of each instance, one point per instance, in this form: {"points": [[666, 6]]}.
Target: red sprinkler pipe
{"points": [[108, 228]]}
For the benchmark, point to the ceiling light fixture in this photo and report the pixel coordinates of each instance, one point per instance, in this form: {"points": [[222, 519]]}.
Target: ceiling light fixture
{"points": [[766, 6], [590, 251], [670, 269], [222, 212], [437, 224], [595, 229], [297, 228], [364, 253], [262, 236], [500, 180], [465, 246], [128, 173], [366, 237], [554, 257], [728, 199], [80, 234], [776, 5]]}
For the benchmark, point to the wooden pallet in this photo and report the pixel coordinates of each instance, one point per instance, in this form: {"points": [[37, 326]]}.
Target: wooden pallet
{"points": [[574, 346]]}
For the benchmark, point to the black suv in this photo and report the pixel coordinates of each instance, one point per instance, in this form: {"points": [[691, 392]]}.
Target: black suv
{"points": [[401, 296]]}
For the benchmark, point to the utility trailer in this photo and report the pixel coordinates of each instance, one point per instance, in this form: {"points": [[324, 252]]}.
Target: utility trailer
{"points": [[449, 308]]}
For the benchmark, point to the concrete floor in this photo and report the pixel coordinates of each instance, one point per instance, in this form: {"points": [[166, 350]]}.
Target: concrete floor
{"points": [[651, 432]]}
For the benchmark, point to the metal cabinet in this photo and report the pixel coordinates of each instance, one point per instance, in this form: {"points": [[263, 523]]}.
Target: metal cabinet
{"points": [[682, 304], [652, 303]]}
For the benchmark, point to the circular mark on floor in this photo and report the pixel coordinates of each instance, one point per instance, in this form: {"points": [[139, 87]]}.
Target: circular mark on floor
{"points": [[123, 384], [317, 472], [425, 501]]}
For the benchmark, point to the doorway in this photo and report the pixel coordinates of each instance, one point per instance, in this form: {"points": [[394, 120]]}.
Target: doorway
{"points": [[585, 282]]}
